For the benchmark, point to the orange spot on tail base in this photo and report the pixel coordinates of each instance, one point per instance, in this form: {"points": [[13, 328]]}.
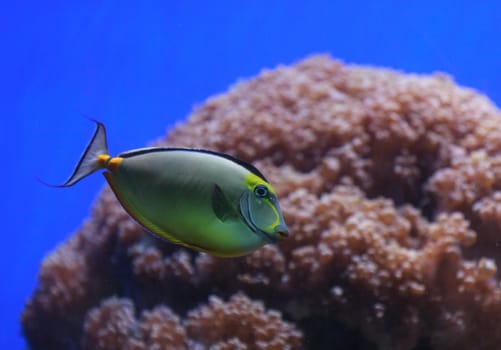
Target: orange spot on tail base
{"points": [[108, 162], [114, 162], [103, 160]]}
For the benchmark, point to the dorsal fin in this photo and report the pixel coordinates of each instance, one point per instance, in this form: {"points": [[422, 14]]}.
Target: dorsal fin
{"points": [[146, 150]]}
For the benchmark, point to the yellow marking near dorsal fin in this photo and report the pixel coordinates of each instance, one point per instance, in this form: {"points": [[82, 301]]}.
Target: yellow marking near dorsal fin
{"points": [[252, 180]]}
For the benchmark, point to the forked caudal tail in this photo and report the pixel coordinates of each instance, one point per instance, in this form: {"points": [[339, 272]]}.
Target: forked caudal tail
{"points": [[94, 157]]}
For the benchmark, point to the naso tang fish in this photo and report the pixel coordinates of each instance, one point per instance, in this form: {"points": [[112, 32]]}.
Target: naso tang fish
{"points": [[207, 201]]}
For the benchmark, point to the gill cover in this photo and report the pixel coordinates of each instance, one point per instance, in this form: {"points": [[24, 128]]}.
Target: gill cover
{"points": [[261, 212]]}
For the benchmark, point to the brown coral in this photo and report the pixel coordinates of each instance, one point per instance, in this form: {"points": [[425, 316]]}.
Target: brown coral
{"points": [[390, 184], [219, 324], [239, 323], [113, 325]]}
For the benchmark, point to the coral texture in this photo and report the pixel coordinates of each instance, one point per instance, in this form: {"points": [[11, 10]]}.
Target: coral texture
{"points": [[237, 324], [391, 187]]}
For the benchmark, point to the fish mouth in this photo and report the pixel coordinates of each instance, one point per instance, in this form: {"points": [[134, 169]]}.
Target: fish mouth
{"points": [[282, 231]]}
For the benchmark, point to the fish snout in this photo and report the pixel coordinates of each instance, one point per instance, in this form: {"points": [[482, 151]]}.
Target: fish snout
{"points": [[282, 231]]}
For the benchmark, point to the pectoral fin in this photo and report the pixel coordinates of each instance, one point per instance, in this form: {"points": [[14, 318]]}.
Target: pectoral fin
{"points": [[221, 205]]}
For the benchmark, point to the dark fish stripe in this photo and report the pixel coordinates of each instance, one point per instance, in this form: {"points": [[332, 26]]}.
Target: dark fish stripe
{"points": [[140, 151]]}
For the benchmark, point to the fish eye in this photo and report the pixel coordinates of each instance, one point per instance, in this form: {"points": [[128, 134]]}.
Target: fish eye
{"points": [[260, 191]]}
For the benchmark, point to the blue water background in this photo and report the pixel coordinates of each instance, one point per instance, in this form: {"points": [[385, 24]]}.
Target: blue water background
{"points": [[141, 66]]}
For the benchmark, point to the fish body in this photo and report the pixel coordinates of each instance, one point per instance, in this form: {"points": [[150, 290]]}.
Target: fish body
{"points": [[207, 201]]}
